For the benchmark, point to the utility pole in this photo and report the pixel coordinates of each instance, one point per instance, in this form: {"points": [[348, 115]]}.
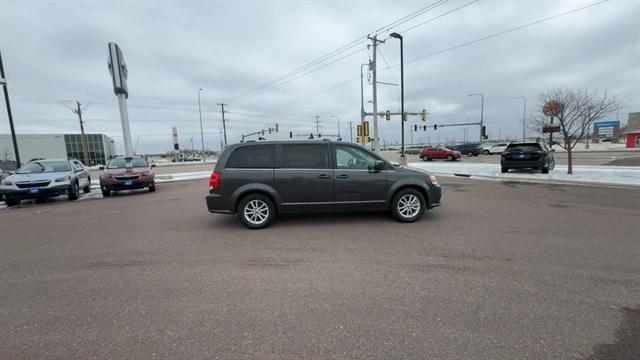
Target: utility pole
{"points": [[3, 82], [224, 125], [318, 125], [221, 143], [362, 114], [200, 113], [83, 138], [375, 41]]}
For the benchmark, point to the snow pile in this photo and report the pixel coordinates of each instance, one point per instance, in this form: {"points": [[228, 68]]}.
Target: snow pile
{"points": [[616, 175]]}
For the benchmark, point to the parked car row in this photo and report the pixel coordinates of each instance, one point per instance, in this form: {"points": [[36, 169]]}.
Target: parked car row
{"points": [[44, 178]]}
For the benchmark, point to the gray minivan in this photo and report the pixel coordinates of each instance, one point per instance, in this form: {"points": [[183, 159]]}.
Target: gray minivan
{"points": [[257, 180]]}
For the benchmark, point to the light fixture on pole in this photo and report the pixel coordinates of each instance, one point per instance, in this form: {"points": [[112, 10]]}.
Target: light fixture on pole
{"points": [[482, 134], [403, 159], [524, 114]]}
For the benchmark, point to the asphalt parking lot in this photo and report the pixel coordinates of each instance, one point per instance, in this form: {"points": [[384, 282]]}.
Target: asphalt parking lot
{"points": [[500, 271]]}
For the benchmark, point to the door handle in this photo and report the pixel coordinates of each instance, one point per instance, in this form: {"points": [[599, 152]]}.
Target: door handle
{"points": [[324, 176], [342, 176]]}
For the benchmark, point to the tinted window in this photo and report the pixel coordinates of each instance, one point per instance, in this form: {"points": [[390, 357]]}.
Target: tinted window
{"points": [[253, 156], [525, 147], [117, 163], [138, 163], [349, 157], [304, 156]]}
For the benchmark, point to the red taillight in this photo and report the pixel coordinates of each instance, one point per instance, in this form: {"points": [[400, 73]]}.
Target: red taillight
{"points": [[214, 180]]}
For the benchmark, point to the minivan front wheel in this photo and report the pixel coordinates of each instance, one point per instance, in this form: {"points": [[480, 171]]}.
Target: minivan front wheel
{"points": [[408, 205], [256, 211]]}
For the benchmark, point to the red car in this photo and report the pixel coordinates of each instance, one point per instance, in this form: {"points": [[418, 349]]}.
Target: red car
{"points": [[126, 173], [439, 153]]}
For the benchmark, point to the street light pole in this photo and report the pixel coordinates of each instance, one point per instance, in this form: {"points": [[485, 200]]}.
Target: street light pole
{"points": [[201, 131], [524, 114], [481, 113], [337, 117], [403, 159]]}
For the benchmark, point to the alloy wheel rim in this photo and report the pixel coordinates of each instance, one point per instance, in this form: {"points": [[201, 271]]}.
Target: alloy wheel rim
{"points": [[256, 212], [409, 206]]}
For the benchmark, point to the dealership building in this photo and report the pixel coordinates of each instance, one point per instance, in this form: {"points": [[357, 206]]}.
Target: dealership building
{"points": [[101, 148]]}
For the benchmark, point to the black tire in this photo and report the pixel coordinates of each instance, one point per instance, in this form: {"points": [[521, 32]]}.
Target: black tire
{"points": [[87, 189], [12, 202], [505, 170], [469, 154], [486, 152], [106, 193], [256, 211], [545, 170], [449, 157], [152, 188], [476, 154], [406, 197], [74, 191]]}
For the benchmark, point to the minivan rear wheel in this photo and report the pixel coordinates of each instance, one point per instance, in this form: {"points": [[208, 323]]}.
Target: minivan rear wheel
{"points": [[256, 211], [408, 205]]}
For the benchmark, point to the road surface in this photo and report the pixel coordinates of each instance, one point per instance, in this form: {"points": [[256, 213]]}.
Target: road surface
{"points": [[500, 271]]}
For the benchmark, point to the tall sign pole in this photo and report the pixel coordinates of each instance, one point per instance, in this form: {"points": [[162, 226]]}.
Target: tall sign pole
{"points": [[3, 82], [118, 69]]}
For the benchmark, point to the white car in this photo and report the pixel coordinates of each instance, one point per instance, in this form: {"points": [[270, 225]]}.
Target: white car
{"points": [[494, 149]]}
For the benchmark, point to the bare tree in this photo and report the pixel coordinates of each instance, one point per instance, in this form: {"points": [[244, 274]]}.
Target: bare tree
{"points": [[578, 111]]}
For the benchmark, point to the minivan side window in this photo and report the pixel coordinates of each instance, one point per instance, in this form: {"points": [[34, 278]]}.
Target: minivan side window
{"points": [[304, 156], [252, 157], [349, 157]]}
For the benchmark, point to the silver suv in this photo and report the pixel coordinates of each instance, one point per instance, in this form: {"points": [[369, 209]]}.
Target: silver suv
{"points": [[39, 179]]}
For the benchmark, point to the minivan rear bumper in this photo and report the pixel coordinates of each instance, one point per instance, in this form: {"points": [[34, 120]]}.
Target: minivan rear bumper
{"points": [[217, 203]]}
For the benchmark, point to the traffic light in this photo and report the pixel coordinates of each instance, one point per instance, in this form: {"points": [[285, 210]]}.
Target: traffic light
{"points": [[435, 126], [269, 130], [311, 136], [424, 127], [423, 115], [404, 116], [359, 130], [368, 139], [276, 127], [366, 128], [483, 132], [290, 134], [415, 128], [319, 136], [387, 115]]}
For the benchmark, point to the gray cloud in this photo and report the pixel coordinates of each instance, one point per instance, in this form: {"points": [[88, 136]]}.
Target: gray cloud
{"points": [[58, 50]]}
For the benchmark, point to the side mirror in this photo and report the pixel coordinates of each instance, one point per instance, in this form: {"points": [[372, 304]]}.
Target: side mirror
{"points": [[101, 167], [376, 166], [153, 165]]}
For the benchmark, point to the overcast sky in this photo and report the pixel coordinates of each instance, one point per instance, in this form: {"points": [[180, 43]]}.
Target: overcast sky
{"points": [[57, 50]]}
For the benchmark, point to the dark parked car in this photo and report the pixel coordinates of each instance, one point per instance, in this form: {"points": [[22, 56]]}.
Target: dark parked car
{"points": [[127, 173], [256, 181], [439, 153], [527, 155], [468, 149]]}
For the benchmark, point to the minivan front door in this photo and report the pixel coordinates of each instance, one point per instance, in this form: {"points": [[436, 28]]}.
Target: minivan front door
{"points": [[356, 187], [303, 177]]}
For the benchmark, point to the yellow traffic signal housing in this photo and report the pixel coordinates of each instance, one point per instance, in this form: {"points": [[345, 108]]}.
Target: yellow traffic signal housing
{"points": [[359, 130], [404, 116], [366, 128]]}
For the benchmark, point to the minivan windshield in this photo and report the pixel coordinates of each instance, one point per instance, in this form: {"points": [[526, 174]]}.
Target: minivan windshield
{"points": [[44, 166]]}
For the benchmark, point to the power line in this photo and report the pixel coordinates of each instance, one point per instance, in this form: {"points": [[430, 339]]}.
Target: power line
{"points": [[281, 80], [439, 16]]}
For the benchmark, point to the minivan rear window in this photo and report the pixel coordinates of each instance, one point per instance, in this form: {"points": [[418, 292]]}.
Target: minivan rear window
{"points": [[252, 157], [304, 156]]}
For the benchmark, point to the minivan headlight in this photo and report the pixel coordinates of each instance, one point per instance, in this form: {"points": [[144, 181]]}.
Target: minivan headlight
{"points": [[63, 178]]}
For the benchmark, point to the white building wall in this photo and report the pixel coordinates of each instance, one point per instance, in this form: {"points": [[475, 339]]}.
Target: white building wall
{"points": [[33, 146]]}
